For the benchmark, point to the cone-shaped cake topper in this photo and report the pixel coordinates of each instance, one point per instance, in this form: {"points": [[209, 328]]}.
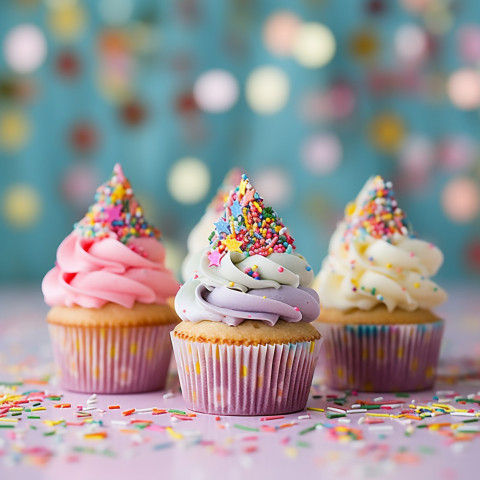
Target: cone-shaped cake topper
{"points": [[375, 212], [116, 212], [248, 226]]}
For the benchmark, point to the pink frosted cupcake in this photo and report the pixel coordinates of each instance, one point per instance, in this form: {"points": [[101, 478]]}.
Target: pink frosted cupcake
{"points": [[110, 322], [246, 346]]}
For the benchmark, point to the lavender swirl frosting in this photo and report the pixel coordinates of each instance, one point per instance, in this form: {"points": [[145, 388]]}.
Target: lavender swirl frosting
{"points": [[225, 293]]}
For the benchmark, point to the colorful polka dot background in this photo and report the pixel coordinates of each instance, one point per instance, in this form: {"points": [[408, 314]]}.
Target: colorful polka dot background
{"points": [[310, 98]]}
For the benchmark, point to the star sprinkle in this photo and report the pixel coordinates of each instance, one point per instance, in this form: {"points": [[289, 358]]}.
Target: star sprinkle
{"points": [[248, 197], [375, 212], [233, 244], [248, 226], [222, 226], [115, 213], [236, 209], [214, 258]]}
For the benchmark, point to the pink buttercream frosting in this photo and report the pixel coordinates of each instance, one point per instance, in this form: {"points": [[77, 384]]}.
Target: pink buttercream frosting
{"points": [[93, 272]]}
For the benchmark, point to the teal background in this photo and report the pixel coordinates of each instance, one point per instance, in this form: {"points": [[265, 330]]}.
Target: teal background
{"points": [[188, 38]]}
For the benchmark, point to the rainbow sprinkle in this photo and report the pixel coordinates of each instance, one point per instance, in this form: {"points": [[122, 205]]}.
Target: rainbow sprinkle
{"points": [[248, 226], [376, 213], [116, 212]]}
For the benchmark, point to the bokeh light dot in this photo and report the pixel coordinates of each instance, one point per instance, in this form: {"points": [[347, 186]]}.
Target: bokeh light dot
{"points": [[79, 184], [189, 180], [364, 44], [461, 199], [411, 43], [463, 89], [84, 137], [267, 90], [68, 64], [67, 20], [116, 12], [469, 43], [60, 3], [133, 113], [438, 19], [341, 100], [275, 186], [457, 153], [376, 7], [21, 206], [25, 48], [387, 132], [417, 155], [472, 254], [321, 154], [314, 45], [279, 32], [336, 103], [216, 91], [14, 130], [416, 6]]}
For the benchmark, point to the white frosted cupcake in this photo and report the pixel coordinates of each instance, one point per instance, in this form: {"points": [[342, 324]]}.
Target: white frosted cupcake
{"points": [[377, 298]]}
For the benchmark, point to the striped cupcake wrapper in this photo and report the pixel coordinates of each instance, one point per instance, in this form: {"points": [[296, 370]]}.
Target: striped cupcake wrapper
{"points": [[245, 380], [381, 358], [112, 359]]}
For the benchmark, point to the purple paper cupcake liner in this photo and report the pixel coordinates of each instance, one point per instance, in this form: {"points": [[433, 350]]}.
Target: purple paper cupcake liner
{"points": [[245, 380], [381, 358], [112, 359]]}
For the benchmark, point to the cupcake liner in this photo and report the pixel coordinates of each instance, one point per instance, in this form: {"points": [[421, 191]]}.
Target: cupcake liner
{"points": [[382, 358], [112, 359], [245, 380]]}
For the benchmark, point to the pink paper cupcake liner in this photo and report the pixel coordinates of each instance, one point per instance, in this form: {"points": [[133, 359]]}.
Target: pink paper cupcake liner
{"points": [[245, 380], [382, 358], [112, 359]]}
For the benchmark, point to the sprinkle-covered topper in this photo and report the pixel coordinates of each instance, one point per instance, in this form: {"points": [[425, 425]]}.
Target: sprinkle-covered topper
{"points": [[248, 226], [375, 212], [116, 212]]}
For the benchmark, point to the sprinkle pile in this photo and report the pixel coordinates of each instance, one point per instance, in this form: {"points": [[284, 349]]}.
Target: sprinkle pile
{"points": [[375, 212], [115, 213], [330, 419], [248, 226]]}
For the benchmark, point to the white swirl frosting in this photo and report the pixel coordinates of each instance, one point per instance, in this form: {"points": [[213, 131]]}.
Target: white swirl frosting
{"points": [[368, 271], [197, 241], [275, 270]]}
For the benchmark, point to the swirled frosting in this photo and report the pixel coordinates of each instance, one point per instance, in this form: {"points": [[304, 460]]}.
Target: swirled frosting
{"points": [[90, 273], [374, 258], [249, 271], [198, 237], [113, 255]]}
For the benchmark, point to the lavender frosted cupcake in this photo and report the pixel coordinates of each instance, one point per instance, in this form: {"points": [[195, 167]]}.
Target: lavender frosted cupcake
{"points": [[245, 345], [377, 298]]}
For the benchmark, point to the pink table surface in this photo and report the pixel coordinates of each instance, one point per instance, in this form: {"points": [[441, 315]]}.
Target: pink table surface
{"points": [[206, 448]]}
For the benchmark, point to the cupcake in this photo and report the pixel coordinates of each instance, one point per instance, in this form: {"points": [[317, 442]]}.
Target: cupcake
{"points": [[246, 345], [109, 322], [380, 332], [198, 237]]}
